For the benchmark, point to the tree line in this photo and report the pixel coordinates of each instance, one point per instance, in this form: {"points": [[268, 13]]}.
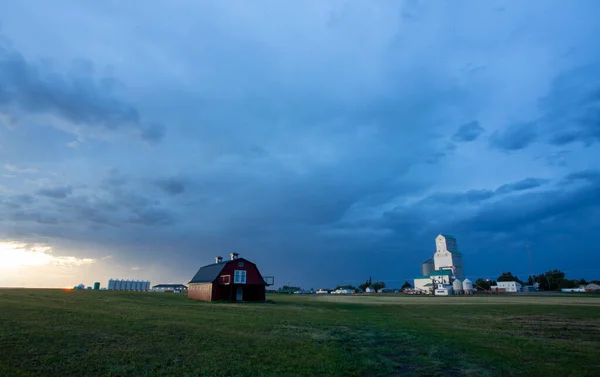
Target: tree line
{"points": [[549, 281]]}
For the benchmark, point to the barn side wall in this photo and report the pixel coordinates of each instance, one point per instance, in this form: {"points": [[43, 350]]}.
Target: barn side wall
{"points": [[223, 292], [200, 291]]}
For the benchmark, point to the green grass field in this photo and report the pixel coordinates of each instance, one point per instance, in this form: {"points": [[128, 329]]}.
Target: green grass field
{"points": [[101, 333]]}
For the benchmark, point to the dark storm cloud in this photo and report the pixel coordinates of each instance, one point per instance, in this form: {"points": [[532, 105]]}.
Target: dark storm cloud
{"points": [[570, 113], [468, 132], [515, 137], [106, 206], [525, 184], [32, 88], [534, 207], [16, 201], [590, 175], [572, 107], [171, 186], [112, 178], [56, 192], [151, 217], [34, 216], [313, 147], [470, 196]]}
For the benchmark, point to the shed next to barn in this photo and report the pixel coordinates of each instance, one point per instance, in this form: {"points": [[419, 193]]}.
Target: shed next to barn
{"points": [[236, 279]]}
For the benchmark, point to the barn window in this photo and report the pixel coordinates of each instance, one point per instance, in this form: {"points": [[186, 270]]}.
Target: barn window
{"points": [[241, 264], [239, 277]]}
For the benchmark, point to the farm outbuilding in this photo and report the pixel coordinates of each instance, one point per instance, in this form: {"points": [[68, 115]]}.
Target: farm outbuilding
{"points": [[236, 279], [169, 288]]}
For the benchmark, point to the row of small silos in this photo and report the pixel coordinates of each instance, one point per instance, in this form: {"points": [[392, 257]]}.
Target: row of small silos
{"points": [[128, 285], [465, 287]]}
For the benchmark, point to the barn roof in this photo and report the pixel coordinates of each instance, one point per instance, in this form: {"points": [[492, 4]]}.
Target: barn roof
{"points": [[210, 273], [169, 286]]}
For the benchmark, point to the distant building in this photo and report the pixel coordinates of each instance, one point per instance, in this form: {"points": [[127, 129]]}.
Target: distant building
{"points": [[572, 290], [439, 277], [447, 256], [592, 287], [237, 279], [507, 286], [128, 285], [445, 266], [169, 288], [370, 290]]}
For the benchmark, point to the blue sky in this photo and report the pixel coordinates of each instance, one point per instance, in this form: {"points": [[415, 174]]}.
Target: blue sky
{"points": [[327, 141]]}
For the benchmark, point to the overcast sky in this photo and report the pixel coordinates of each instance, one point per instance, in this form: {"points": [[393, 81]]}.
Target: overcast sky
{"points": [[327, 141]]}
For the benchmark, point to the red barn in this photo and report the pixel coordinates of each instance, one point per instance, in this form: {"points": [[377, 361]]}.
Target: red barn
{"points": [[237, 279]]}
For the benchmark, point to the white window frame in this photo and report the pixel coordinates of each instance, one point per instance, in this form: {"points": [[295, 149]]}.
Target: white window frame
{"points": [[239, 277]]}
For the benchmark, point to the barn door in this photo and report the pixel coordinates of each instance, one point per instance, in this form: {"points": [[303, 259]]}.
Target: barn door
{"points": [[239, 293]]}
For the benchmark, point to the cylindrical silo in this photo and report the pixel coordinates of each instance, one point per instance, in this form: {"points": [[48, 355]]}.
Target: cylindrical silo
{"points": [[147, 285], [468, 287], [138, 285], [111, 284], [121, 285], [127, 284], [427, 267], [457, 287]]}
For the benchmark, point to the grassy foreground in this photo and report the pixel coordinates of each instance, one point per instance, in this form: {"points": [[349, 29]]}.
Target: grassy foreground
{"points": [[100, 333]]}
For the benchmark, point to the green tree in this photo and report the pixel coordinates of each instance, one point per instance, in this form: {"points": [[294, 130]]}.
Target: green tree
{"points": [[484, 284], [406, 285], [378, 285], [351, 287], [507, 276], [289, 289], [366, 284], [554, 279]]}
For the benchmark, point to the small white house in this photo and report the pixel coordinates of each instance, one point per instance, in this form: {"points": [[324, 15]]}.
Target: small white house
{"points": [[321, 291], [510, 286], [369, 290]]}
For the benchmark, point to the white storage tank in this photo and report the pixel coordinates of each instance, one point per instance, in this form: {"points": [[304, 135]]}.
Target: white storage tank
{"points": [[117, 285], [136, 285], [148, 285], [111, 284], [128, 285], [468, 287], [139, 286], [457, 287], [427, 267]]}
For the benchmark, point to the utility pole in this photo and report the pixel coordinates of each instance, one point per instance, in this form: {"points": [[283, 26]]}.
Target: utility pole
{"points": [[530, 264]]}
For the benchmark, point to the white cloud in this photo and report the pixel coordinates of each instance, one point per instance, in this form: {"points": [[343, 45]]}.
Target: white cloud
{"points": [[17, 169], [14, 255]]}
